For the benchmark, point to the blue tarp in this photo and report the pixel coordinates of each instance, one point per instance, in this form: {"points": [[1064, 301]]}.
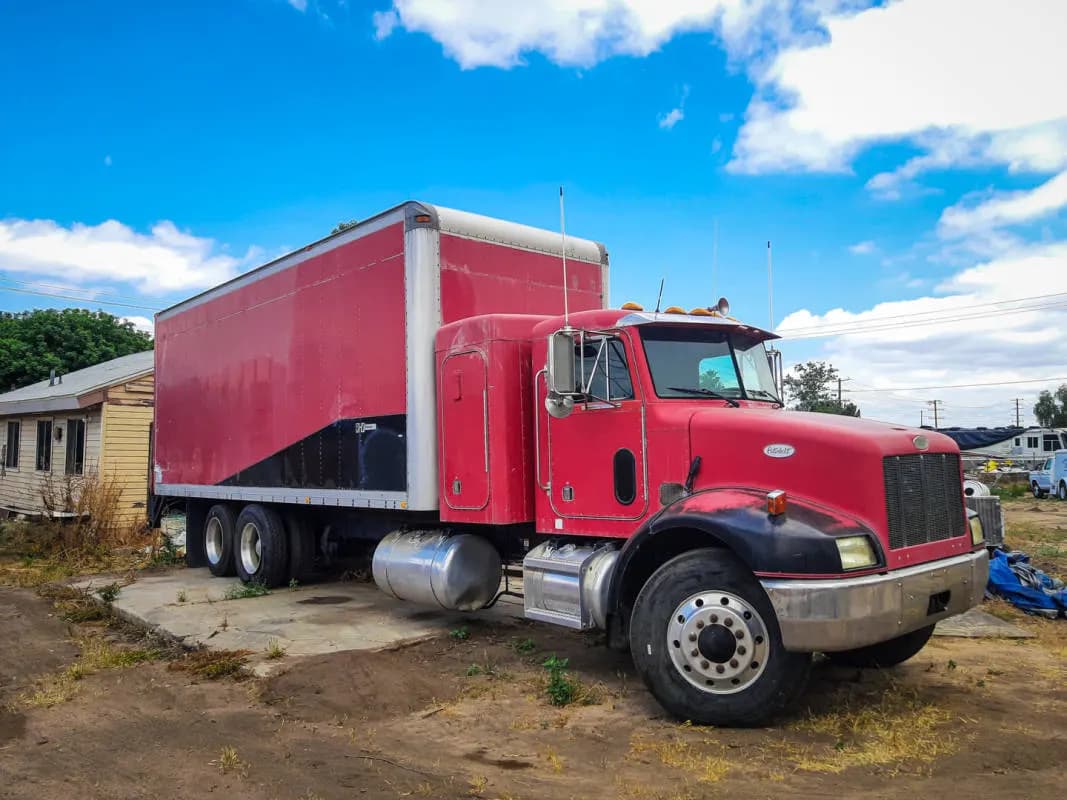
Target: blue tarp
{"points": [[1012, 577], [977, 438]]}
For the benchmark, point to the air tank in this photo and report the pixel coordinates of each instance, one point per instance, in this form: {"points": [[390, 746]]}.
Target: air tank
{"points": [[459, 572]]}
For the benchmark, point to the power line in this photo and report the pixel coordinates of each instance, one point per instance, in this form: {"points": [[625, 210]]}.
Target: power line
{"points": [[977, 307], [958, 385], [876, 325], [79, 299]]}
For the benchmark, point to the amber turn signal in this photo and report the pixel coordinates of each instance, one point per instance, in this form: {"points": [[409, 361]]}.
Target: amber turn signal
{"points": [[632, 306], [776, 502]]}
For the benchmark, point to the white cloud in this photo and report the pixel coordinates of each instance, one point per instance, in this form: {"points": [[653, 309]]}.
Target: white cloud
{"points": [[481, 33], [965, 81], [716, 145], [1015, 340], [862, 248], [141, 324], [677, 114], [1005, 208], [166, 259], [384, 23], [299, 5], [671, 118]]}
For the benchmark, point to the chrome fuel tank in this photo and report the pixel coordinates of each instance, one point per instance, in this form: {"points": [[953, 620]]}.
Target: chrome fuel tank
{"points": [[460, 572]]}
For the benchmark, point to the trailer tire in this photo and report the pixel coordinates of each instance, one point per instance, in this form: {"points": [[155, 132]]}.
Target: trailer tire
{"points": [[705, 641], [885, 654], [219, 525], [261, 546], [301, 546]]}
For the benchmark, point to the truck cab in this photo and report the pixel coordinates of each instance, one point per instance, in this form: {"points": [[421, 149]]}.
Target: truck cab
{"points": [[1051, 477], [677, 504]]}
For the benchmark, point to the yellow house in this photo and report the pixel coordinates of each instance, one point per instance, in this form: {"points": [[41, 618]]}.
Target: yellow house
{"points": [[92, 422]]}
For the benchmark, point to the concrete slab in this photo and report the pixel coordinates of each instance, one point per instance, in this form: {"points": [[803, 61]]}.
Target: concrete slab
{"points": [[309, 620], [977, 624]]}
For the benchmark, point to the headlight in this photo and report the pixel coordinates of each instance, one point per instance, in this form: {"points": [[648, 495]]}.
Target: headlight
{"points": [[856, 552], [977, 534]]}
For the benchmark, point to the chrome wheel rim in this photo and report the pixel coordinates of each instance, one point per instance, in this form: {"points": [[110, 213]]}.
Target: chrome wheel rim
{"points": [[213, 541], [251, 548], [718, 642]]}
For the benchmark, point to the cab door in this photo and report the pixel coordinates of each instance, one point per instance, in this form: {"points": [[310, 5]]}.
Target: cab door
{"points": [[463, 401], [596, 455]]}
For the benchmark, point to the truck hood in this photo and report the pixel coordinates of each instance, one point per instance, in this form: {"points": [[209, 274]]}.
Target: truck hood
{"points": [[826, 458]]}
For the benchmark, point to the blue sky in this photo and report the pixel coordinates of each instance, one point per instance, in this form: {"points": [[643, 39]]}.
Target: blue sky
{"points": [[214, 135]]}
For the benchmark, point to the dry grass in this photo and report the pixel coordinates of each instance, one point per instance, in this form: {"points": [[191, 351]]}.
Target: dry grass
{"points": [[230, 762], [891, 729], [275, 649], [213, 664], [93, 535], [702, 759], [97, 653]]}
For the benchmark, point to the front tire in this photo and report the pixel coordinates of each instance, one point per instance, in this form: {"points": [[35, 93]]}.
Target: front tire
{"points": [[1062, 491], [705, 641], [219, 525], [1036, 490], [885, 654], [261, 546]]}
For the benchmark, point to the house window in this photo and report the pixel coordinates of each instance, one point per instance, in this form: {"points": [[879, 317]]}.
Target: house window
{"points": [[44, 445], [11, 456], [75, 446], [1051, 442], [1018, 441], [1032, 442]]}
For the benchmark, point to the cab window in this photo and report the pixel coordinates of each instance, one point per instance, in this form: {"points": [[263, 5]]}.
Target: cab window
{"points": [[601, 369]]}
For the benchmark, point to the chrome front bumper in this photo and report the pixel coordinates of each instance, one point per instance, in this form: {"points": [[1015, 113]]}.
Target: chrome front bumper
{"points": [[846, 613]]}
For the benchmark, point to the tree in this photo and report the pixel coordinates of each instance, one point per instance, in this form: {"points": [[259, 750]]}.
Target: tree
{"points": [[32, 343], [1051, 408], [344, 226], [813, 387]]}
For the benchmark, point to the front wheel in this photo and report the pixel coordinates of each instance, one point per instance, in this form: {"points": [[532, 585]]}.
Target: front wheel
{"points": [[705, 641], [1036, 490], [885, 654], [1062, 492]]}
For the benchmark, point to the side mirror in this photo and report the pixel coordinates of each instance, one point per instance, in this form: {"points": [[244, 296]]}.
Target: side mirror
{"points": [[561, 364]]}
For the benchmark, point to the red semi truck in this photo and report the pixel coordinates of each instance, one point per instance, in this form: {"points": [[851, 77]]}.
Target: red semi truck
{"points": [[411, 381]]}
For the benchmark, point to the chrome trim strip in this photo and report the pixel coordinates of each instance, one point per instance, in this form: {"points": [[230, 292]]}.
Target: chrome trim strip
{"points": [[422, 317], [339, 498]]}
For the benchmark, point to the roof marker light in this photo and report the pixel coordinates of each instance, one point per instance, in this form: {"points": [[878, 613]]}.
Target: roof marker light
{"points": [[674, 310], [700, 312], [632, 306]]}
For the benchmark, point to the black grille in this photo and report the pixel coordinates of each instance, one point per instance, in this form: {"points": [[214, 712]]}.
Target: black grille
{"points": [[924, 498]]}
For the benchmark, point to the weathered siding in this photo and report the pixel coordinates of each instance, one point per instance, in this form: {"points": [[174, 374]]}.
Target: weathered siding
{"points": [[127, 418], [21, 488]]}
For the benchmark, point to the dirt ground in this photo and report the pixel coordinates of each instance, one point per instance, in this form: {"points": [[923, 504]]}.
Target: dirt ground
{"points": [[88, 709]]}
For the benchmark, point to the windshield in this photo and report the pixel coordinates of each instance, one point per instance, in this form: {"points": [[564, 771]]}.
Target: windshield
{"points": [[692, 362]]}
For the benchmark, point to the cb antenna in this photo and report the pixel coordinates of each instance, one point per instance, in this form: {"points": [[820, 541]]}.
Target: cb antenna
{"points": [[563, 236], [770, 288], [660, 298]]}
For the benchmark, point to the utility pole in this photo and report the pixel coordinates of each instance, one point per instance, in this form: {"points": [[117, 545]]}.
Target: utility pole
{"points": [[937, 419], [840, 396], [921, 420], [1018, 417]]}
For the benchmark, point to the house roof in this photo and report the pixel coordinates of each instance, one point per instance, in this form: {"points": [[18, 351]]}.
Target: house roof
{"points": [[75, 389]]}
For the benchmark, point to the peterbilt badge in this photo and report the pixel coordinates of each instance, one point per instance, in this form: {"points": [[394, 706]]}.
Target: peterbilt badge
{"points": [[779, 450]]}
